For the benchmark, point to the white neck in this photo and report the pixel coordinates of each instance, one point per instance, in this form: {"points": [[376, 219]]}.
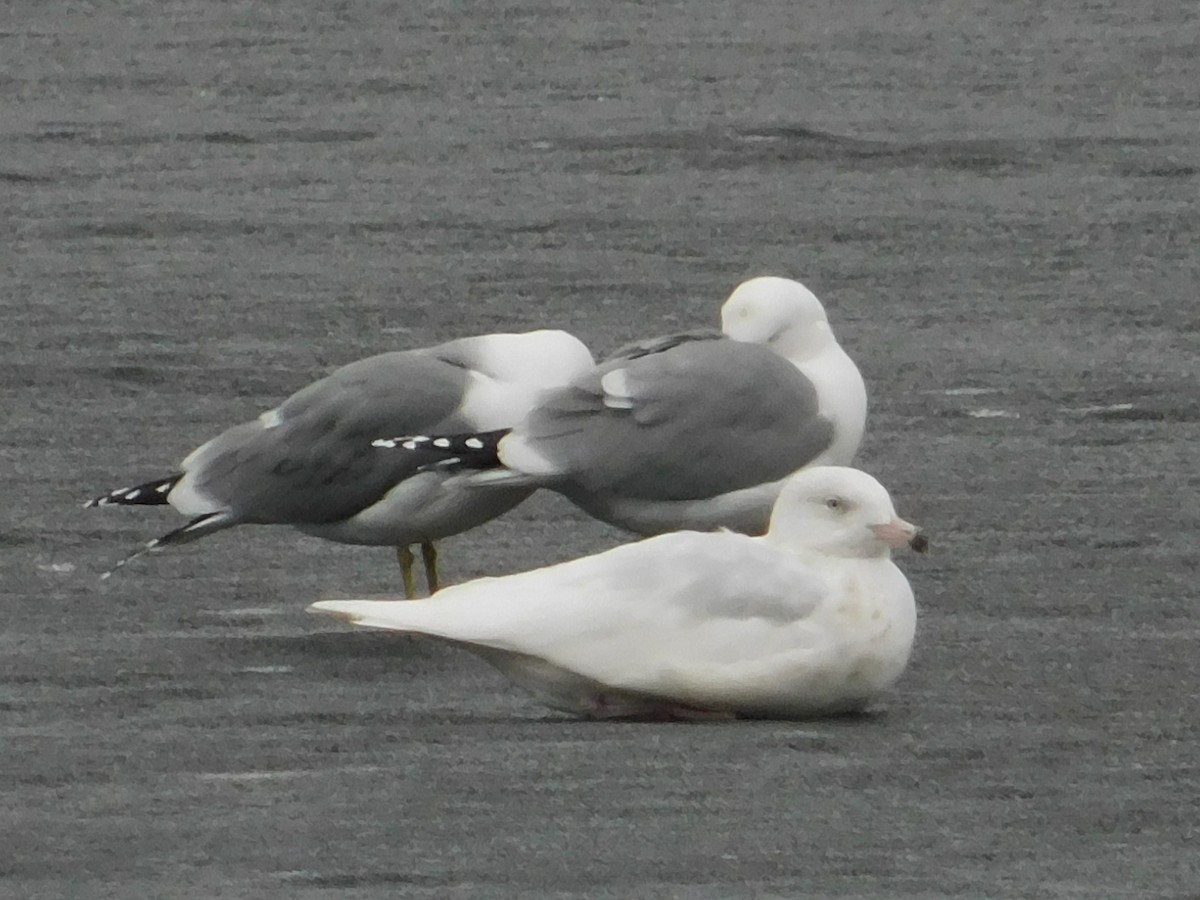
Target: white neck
{"points": [[843, 396]]}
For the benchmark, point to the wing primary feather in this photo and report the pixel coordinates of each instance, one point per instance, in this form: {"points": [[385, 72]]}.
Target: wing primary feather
{"points": [[450, 451], [149, 493], [196, 528]]}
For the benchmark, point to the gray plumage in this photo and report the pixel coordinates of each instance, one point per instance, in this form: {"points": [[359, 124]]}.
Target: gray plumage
{"points": [[309, 462], [702, 418]]}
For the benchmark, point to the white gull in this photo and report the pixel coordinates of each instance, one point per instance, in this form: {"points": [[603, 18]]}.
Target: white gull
{"points": [[811, 618]]}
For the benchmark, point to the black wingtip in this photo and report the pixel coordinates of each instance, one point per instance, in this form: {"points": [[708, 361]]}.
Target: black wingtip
{"points": [[197, 527], [149, 493], [451, 451]]}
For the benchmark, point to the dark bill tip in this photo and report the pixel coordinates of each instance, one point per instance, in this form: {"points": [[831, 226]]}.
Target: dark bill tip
{"points": [[919, 543]]}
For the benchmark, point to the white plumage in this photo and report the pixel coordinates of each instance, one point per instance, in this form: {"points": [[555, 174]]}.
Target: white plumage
{"points": [[810, 618]]}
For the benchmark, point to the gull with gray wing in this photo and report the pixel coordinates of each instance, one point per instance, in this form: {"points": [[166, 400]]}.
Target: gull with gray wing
{"points": [[689, 431], [308, 463]]}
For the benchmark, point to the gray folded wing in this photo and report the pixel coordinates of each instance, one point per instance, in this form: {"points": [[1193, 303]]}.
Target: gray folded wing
{"points": [[310, 461], [698, 419]]}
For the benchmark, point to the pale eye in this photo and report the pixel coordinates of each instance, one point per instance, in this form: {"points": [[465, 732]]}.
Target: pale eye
{"points": [[833, 503]]}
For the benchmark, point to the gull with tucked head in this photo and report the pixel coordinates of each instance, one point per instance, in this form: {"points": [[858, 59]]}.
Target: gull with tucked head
{"points": [[697, 430], [812, 618]]}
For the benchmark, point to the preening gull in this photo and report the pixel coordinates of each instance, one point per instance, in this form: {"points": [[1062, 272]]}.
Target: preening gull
{"points": [[685, 431], [811, 618], [308, 463]]}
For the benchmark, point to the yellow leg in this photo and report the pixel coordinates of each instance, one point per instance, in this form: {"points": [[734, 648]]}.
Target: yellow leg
{"points": [[407, 560], [429, 555]]}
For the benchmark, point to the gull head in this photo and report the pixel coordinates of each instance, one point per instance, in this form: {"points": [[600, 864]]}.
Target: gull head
{"points": [[778, 312], [843, 512]]}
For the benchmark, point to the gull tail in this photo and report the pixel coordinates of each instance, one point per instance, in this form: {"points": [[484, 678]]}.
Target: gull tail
{"points": [[393, 615], [451, 451], [197, 528], [151, 493]]}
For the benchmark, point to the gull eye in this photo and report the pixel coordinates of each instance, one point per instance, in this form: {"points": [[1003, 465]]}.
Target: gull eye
{"points": [[833, 503]]}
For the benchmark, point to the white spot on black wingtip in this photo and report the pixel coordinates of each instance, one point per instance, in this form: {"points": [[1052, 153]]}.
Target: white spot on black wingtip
{"points": [[111, 497], [404, 442], [441, 443], [474, 443], [152, 493]]}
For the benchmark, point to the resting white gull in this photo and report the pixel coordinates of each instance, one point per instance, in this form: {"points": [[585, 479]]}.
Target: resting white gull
{"points": [[686, 431], [308, 463], [811, 618]]}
